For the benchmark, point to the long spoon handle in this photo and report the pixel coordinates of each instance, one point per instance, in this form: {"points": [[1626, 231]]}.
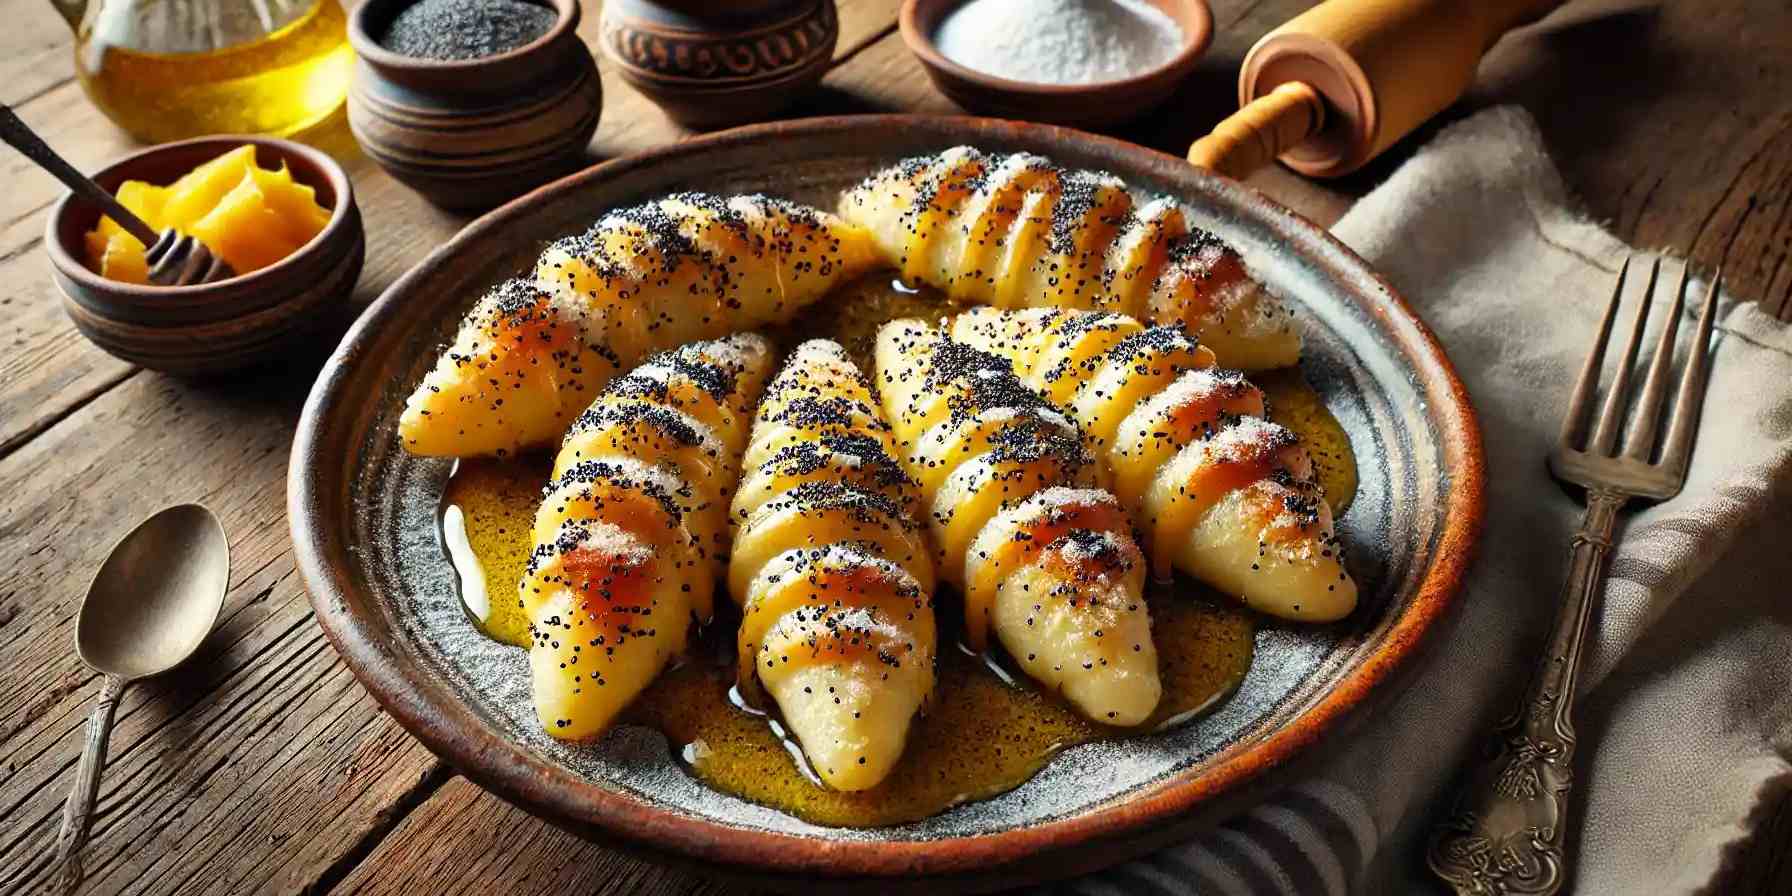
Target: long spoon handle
{"points": [[22, 138], [77, 813]]}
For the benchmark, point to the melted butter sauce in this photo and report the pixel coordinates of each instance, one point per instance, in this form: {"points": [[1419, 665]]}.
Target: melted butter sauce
{"points": [[988, 728], [492, 505], [987, 731], [1294, 403]]}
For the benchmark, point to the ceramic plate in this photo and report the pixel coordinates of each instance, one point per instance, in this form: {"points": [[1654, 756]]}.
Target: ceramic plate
{"points": [[364, 524]]}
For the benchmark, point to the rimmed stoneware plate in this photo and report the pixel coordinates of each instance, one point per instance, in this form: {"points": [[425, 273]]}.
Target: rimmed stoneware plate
{"points": [[364, 524]]}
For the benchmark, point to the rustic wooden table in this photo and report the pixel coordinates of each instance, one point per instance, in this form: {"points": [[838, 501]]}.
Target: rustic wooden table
{"points": [[264, 767]]}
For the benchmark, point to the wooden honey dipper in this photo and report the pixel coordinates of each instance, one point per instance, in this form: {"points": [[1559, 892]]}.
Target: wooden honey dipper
{"points": [[1341, 82], [174, 258]]}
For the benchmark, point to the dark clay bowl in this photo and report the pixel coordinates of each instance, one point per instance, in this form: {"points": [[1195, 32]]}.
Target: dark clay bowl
{"points": [[1077, 105], [469, 134], [364, 518], [213, 327]]}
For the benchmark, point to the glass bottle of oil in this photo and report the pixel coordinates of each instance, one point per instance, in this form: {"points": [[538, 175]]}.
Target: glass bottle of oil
{"points": [[171, 69]]}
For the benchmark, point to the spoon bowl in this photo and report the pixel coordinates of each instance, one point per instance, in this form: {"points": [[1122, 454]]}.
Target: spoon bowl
{"points": [[156, 596]]}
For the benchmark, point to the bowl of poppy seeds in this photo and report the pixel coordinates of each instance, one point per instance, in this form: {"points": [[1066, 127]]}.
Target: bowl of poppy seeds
{"points": [[465, 29], [472, 102]]}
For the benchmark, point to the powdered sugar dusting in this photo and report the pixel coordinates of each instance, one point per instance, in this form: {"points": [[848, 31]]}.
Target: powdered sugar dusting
{"points": [[611, 540], [1093, 547], [1059, 496]]}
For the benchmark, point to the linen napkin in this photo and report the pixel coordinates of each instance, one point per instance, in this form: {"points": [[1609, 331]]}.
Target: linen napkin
{"points": [[1685, 717]]}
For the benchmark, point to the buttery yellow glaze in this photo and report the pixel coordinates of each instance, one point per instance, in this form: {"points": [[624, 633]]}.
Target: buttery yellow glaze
{"points": [[1293, 403], [497, 500], [982, 736], [989, 730]]}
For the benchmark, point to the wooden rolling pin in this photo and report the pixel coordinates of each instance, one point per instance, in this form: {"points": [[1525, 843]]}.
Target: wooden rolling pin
{"points": [[1340, 83]]}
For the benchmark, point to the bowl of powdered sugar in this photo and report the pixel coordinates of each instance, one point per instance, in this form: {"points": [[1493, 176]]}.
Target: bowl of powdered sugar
{"points": [[1086, 63]]}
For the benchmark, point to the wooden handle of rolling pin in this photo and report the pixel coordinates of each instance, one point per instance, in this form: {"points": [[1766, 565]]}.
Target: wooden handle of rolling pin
{"points": [[1256, 135], [1366, 73]]}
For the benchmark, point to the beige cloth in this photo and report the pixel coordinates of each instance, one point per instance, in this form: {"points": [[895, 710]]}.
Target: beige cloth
{"points": [[1685, 719]]}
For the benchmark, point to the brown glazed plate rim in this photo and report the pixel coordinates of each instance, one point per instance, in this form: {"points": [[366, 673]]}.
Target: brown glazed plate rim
{"points": [[1080, 841], [77, 271], [919, 38]]}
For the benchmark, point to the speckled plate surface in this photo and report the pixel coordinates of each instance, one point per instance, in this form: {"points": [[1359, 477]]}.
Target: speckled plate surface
{"points": [[363, 522]]}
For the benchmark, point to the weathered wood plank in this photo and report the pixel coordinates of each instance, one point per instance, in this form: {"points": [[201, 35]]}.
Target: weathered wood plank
{"points": [[881, 77], [1672, 122], [467, 841], [39, 53], [76, 130], [261, 762]]}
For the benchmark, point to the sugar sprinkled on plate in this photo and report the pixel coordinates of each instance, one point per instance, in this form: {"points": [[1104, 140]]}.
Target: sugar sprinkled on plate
{"points": [[1060, 41]]}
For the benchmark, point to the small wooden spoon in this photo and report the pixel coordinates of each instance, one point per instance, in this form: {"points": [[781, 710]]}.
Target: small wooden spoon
{"points": [[174, 260], [150, 606]]}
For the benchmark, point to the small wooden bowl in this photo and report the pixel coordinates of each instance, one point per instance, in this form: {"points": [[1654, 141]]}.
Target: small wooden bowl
{"points": [[213, 327], [711, 64], [1077, 105], [469, 134]]}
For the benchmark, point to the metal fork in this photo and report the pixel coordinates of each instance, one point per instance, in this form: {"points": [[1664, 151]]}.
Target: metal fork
{"points": [[1505, 834]]}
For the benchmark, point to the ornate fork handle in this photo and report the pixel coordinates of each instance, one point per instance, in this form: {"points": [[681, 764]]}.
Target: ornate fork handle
{"points": [[1505, 834]]}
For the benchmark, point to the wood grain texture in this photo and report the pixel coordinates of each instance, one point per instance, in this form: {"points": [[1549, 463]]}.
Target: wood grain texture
{"points": [[254, 766], [264, 767], [467, 842], [1673, 123], [37, 55]]}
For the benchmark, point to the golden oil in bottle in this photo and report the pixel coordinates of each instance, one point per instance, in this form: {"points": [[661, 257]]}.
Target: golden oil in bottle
{"points": [[168, 71]]}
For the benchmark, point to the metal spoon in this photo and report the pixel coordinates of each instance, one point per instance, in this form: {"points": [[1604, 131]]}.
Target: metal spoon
{"points": [[149, 607], [174, 260]]}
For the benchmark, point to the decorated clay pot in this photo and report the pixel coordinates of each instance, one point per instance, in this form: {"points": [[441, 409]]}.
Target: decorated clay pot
{"points": [[469, 134], [711, 65]]}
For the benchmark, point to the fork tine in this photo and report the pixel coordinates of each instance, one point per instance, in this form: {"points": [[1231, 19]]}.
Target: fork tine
{"points": [[1574, 422], [1684, 421], [1605, 433], [1640, 443]]}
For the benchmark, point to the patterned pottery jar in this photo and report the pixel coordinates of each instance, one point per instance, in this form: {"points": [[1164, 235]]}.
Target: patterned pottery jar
{"points": [[471, 133], [710, 67]]}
